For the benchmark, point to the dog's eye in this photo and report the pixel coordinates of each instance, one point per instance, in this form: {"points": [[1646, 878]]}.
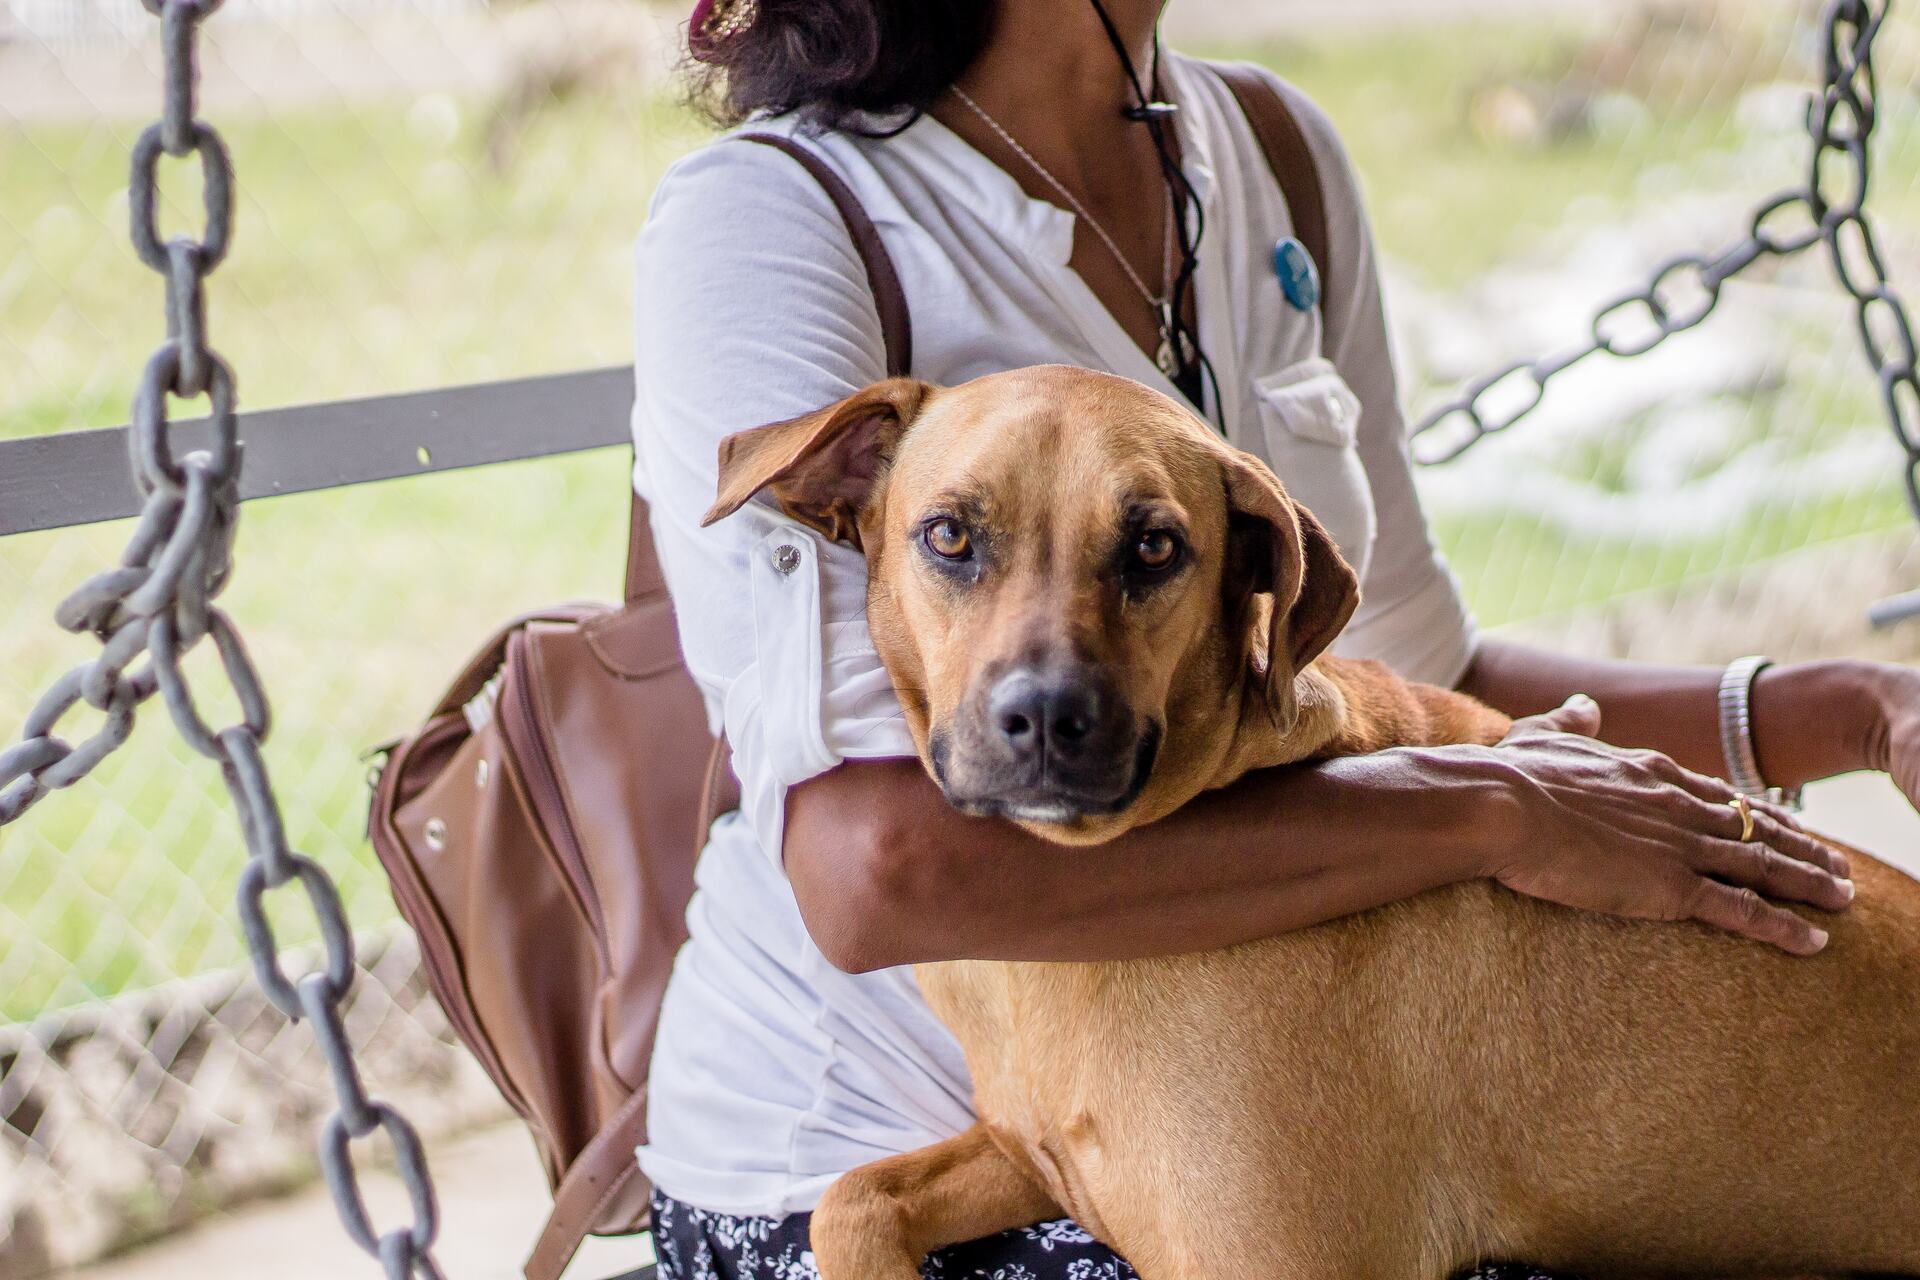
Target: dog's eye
{"points": [[948, 539], [1156, 550]]}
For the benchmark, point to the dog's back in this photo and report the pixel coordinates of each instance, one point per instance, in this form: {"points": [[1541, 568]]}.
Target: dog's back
{"points": [[1473, 1074]]}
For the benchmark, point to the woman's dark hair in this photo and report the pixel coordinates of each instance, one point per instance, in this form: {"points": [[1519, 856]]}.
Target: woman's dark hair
{"points": [[865, 66]]}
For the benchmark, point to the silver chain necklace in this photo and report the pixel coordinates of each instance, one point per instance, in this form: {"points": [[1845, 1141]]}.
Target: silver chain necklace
{"points": [[1163, 355]]}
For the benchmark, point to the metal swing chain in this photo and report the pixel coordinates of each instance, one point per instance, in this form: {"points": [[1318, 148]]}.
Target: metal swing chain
{"points": [[1830, 208], [158, 602]]}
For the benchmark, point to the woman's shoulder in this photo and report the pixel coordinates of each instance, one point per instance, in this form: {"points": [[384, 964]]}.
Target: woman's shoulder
{"points": [[737, 213], [736, 171], [783, 182]]}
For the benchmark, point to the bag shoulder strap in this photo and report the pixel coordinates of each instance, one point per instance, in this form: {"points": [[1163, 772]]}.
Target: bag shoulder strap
{"points": [[598, 1174], [606, 1164], [889, 299], [1263, 100]]}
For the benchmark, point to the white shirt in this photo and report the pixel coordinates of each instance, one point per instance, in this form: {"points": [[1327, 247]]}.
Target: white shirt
{"points": [[775, 1072]]}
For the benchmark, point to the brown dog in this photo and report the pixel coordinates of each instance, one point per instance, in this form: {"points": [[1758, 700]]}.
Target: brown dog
{"points": [[1093, 610]]}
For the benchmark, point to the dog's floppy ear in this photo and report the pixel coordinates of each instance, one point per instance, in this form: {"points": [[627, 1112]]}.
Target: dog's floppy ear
{"points": [[1329, 593], [1279, 549], [822, 465]]}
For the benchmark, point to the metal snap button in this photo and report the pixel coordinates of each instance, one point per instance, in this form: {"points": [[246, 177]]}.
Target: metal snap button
{"points": [[786, 557], [436, 833]]}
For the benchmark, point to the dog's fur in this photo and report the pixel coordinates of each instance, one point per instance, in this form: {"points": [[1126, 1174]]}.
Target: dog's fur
{"points": [[1466, 1075]]}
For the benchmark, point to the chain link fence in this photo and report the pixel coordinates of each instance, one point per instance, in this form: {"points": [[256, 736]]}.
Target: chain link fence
{"points": [[436, 192]]}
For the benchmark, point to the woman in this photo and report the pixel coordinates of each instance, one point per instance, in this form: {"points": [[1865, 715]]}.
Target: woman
{"points": [[1028, 215]]}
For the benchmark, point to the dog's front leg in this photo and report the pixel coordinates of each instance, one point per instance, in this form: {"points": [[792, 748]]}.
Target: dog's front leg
{"points": [[881, 1220]]}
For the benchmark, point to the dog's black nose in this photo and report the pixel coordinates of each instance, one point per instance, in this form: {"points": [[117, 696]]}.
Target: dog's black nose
{"points": [[1045, 716], [1044, 741]]}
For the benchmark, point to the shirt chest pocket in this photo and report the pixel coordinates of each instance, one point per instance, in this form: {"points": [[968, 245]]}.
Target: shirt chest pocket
{"points": [[1309, 427]]}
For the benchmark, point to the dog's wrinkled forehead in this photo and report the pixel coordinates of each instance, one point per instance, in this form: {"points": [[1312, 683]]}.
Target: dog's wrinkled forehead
{"points": [[1050, 446]]}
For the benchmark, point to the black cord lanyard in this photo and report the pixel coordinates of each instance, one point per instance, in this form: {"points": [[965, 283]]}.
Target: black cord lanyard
{"points": [[1193, 372]]}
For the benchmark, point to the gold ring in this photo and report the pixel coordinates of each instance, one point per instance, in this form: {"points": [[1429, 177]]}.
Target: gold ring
{"points": [[1745, 810]]}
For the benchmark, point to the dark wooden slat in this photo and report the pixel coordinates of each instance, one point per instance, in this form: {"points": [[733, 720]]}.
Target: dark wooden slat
{"points": [[81, 477]]}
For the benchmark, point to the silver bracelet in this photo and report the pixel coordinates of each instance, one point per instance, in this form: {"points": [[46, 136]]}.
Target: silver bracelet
{"points": [[1736, 730]]}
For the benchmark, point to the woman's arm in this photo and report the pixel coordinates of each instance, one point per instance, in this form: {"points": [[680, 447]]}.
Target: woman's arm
{"points": [[886, 873], [753, 306], [1811, 720]]}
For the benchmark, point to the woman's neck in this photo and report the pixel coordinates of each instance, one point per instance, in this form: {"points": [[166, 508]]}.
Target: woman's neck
{"points": [[1050, 79], [1050, 75]]}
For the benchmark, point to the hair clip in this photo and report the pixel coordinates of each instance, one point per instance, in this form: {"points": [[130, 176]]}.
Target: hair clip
{"points": [[715, 21]]}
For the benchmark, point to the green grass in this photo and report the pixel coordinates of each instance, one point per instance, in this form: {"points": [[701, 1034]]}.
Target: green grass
{"points": [[1442, 197], [375, 252], [1448, 201]]}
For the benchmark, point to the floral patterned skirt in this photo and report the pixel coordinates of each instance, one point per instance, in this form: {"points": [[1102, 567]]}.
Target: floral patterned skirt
{"points": [[694, 1244]]}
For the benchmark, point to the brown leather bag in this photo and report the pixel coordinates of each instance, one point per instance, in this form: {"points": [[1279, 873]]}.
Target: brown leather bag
{"points": [[541, 829]]}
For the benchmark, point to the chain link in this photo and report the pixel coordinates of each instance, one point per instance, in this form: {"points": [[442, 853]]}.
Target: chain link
{"points": [[157, 603], [1830, 209]]}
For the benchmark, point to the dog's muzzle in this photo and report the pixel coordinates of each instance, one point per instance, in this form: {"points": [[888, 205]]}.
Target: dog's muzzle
{"points": [[1045, 745]]}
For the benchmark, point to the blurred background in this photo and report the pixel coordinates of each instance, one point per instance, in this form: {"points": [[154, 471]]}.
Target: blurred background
{"points": [[436, 192]]}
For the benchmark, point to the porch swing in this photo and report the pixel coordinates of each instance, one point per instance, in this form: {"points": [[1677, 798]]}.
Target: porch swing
{"points": [[158, 601]]}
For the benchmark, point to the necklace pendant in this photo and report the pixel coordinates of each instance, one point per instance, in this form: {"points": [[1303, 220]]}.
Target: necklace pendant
{"points": [[1165, 355]]}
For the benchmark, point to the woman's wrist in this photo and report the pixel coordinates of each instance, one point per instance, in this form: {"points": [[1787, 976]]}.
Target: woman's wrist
{"points": [[1459, 805], [1812, 720]]}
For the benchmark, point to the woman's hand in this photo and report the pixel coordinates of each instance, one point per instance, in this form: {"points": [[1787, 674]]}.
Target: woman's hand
{"points": [[1631, 833]]}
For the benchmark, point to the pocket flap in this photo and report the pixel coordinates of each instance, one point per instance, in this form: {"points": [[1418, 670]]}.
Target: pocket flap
{"points": [[1313, 401]]}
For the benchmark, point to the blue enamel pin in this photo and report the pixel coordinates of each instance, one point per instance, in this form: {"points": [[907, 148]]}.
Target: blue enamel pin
{"points": [[1299, 278]]}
